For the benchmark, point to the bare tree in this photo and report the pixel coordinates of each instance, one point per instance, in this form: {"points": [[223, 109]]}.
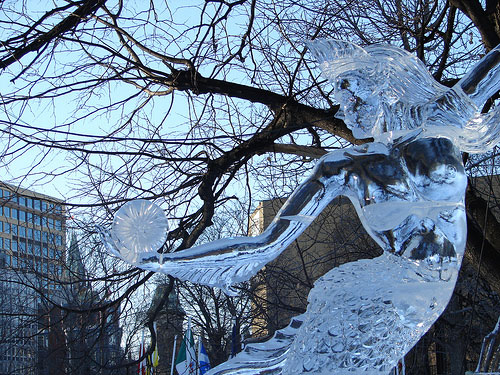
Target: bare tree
{"points": [[194, 106]]}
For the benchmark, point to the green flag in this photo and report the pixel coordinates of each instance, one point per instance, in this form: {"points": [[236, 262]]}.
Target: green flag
{"points": [[185, 363]]}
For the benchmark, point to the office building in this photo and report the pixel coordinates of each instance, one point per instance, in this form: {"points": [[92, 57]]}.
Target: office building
{"points": [[32, 234], [32, 243]]}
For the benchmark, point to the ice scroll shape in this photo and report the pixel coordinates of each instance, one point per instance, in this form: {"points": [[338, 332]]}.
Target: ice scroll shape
{"points": [[408, 190]]}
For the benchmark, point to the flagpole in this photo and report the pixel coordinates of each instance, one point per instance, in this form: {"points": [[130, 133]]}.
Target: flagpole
{"points": [[191, 356], [198, 370], [203, 360], [155, 356], [173, 356], [141, 352]]}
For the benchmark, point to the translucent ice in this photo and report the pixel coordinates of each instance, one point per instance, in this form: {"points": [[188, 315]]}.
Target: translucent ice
{"points": [[139, 229], [489, 359], [407, 188]]}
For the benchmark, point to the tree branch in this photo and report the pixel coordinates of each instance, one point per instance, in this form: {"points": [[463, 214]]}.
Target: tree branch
{"points": [[474, 10], [295, 113], [81, 13]]}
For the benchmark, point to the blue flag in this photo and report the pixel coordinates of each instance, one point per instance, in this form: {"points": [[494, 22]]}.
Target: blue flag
{"points": [[203, 361]]}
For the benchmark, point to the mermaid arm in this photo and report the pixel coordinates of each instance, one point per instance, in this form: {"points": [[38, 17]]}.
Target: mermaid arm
{"points": [[224, 262], [483, 80], [456, 113]]}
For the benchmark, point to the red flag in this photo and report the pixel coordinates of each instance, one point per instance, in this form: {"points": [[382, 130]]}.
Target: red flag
{"points": [[141, 368]]}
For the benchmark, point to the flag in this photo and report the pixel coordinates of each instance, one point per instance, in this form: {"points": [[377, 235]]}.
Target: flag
{"points": [[155, 357], [203, 361], [185, 363], [235, 337], [141, 368]]}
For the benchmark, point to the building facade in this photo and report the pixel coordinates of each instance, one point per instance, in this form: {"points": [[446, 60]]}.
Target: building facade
{"points": [[169, 323], [93, 338], [32, 234], [32, 248]]}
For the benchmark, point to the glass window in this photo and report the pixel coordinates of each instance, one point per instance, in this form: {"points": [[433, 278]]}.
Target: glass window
{"points": [[30, 248], [38, 250], [44, 206], [6, 227], [22, 246], [6, 243], [51, 223], [13, 213], [22, 231], [45, 237], [22, 201], [1, 193], [52, 253], [6, 194], [13, 229], [30, 234], [29, 202], [37, 235], [44, 222], [22, 216], [59, 209], [36, 204], [1, 242], [59, 240], [14, 245], [1, 226], [36, 219], [45, 251], [29, 217], [6, 211], [45, 267], [14, 262], [58, 224]]}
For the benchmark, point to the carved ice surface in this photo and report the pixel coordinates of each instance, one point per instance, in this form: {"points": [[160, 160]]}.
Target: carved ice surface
{"points": [[489, 359], [139, 229], [358, 321], [384, 91], [408, 190]]}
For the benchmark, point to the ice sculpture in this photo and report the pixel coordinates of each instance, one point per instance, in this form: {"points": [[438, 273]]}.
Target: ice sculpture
{"points": [[408, 190], [489, 358], [139, 229]]}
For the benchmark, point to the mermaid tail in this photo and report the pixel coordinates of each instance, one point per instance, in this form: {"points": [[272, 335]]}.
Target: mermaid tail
{"points": [[263, 358], [362, 317]]}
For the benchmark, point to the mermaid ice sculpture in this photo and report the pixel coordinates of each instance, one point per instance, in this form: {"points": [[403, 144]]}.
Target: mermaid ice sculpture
{"points": [[407, 188]]}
